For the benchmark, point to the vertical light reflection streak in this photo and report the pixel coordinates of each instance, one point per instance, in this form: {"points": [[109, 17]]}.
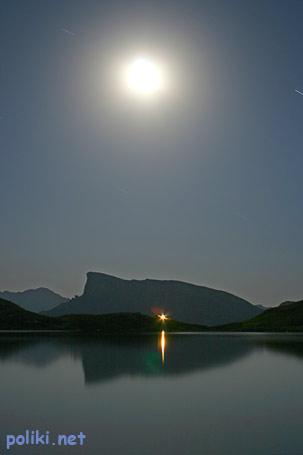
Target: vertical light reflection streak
{"points": [[163, 346]]}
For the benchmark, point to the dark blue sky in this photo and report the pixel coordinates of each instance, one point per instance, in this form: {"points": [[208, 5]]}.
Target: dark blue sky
{"points": [[205, 186]]}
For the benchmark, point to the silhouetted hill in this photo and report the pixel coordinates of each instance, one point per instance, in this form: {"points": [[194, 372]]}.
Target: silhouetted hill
{"points": [[123, 323], [12, 317], [287, 317], [183, 301], [37, 300]]}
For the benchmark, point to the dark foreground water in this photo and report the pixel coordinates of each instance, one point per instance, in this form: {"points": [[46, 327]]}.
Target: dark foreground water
{"points": [[175, 394]]}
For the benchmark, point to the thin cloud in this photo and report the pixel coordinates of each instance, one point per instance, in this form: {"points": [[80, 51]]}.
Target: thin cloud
{"points": [[67, 31]]}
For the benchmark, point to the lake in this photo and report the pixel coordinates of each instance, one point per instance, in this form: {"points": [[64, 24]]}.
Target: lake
{"points": [[210, 394]]}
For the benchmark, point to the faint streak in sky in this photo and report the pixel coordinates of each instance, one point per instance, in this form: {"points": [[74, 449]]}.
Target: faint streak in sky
{"points": [[244, 217], [298, 91], [68, 32], [123, 190]]}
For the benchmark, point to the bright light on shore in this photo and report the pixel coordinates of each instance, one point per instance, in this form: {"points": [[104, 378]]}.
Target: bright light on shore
{"points": [[162, 317], [144, 77]]}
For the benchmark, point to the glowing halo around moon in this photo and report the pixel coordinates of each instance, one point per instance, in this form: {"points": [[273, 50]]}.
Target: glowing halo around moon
{"points": [[144, 78]]}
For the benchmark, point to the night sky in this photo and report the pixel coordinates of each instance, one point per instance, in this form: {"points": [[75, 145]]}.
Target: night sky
{"points": [[202, 185]]}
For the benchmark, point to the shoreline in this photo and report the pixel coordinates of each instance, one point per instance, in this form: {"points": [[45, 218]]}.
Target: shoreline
{"points": [[188, 333]]}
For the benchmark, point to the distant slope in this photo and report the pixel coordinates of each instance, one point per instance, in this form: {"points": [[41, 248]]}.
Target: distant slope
{"points": [[287, 317], [37, 300], [183, 301], [12, 317]]}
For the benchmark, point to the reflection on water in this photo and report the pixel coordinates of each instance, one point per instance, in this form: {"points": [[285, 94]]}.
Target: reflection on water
{"points": [[163, 346], [199, 394], [104, 358]]}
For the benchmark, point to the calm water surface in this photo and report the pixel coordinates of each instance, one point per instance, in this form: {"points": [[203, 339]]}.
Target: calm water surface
{"points": [[169, 394]]}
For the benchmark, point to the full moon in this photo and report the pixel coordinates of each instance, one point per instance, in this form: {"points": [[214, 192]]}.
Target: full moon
{"points": [[144, 78]]}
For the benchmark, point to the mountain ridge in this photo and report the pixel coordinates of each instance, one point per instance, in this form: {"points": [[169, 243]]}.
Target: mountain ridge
{"points": [[191, 303], [36, 299]]}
